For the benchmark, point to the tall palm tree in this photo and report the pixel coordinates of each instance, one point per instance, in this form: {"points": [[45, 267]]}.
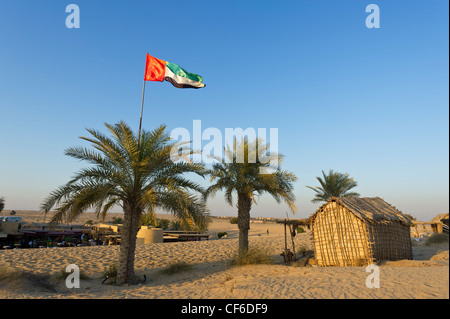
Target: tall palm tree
{"points": [[239, 172], [334, 184], [139, 177]]}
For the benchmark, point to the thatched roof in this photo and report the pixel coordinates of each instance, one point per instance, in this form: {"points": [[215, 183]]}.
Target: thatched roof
{"points": [[371, 209], [438, 218], [294, 222]]}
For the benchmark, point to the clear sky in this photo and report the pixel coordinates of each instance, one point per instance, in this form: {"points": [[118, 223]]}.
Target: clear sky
{"points": [[370, 102]]}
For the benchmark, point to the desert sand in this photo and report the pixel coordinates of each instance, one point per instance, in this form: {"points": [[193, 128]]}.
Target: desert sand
{"points": [[211, 276]]}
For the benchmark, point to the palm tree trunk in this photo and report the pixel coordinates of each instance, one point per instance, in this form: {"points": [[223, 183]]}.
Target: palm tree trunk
{"points": [[125, 272], [244, 206]]}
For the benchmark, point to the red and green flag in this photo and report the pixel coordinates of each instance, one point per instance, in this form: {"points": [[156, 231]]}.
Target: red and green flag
{"points": [[160, 70]]}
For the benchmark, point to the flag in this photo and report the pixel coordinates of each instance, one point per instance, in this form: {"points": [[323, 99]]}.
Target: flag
{"points": [[160, 70]]}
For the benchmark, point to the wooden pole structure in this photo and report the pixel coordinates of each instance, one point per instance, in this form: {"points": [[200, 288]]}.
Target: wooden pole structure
{"points": [[285, 238], [292, 238], [293, 244]]}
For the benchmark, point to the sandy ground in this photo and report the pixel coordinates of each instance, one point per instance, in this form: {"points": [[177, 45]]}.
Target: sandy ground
{"points": [[427, 276]]}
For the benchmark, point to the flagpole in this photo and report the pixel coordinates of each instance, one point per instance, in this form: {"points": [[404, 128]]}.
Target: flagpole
{"points": [[142, 108]]}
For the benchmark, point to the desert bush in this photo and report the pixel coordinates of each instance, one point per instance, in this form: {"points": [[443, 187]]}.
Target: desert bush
{"points": [[251, 257], [176, 267], [111, 273], [148, 218], [117, 220], [437, 239], [221, 234], [234, 220], [62, 275], [163, 223], [300, 230], [175, 225]]}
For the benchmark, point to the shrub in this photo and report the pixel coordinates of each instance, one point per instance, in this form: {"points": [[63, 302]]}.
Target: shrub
{"points": [[163, 223], [234, 220], [221, 234], [251, 257], [176, 267], [117, 220], [175, 225], [111, 273], [300, 230], [62, 275], [148, 219], [437, 239]]}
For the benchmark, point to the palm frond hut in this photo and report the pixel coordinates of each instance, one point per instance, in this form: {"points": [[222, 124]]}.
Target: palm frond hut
{"points": [[353, 231], [439, 217], [439, 224]]}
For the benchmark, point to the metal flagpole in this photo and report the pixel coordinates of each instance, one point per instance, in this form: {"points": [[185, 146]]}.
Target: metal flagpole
{"points": [[142, 108]]}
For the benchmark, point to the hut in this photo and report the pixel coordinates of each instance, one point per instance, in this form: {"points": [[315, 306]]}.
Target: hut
{"points": [[439, 223], [353, 231]]}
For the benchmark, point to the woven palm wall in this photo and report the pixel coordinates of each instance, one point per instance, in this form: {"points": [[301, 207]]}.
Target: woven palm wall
{"points": [[391, 241], [357, 232], [340, 238]]}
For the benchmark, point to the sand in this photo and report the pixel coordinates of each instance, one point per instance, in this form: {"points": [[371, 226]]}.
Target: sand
{"points": [[31, 272]]}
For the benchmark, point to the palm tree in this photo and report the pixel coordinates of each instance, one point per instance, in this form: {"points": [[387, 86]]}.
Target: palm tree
{"points": [[2, 204], [242, 175], [334, 184], [138, 177]]}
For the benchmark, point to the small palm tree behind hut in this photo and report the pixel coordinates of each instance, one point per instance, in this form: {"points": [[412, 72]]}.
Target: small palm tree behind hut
{"points": [[333, 184], [353, 231]]}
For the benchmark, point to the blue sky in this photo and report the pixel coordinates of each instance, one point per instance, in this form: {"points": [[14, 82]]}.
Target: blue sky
{"points": [[370, 102]]}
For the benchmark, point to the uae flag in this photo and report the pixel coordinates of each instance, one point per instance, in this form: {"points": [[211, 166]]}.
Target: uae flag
{"points": [[160, 70]]}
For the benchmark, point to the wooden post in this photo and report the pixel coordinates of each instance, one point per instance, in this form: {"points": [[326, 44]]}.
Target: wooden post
{"points": [[293, 244], [292, 238]]}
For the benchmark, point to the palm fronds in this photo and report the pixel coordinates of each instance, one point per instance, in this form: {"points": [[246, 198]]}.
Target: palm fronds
{"points": [[123, 172], [334, 184], [246, 168], [248, 171]]}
